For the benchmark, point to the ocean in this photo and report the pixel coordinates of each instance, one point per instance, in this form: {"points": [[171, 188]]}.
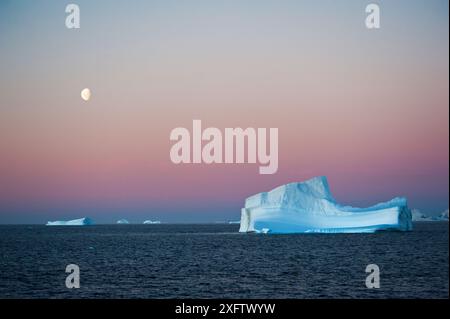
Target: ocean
{"points": [[215, 261]]}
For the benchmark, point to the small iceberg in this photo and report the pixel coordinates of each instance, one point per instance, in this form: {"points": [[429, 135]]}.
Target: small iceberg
{"points": [[418, 216], [444, 216], [309, 207], [234, 222], [75, 222], [123, 221], [151, 222]]}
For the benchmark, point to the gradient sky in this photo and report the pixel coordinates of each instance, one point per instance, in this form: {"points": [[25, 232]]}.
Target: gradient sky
{"points": [[367, 108]]}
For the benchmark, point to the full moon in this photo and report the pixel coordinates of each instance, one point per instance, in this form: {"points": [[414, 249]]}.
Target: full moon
{"points": [[86, 94]]}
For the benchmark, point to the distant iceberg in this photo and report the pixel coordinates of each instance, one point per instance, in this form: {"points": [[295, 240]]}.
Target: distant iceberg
{"points": [[123, 221], [151, 222], [444, 216], [309, 207], [234, 222], [418, 216], [75, 222]]}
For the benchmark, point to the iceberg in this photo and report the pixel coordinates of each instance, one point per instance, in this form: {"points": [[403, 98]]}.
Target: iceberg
{"points": [[309, 207], [147, 222], [418, 216], [444, 215], [123, 221], [75, 222]]}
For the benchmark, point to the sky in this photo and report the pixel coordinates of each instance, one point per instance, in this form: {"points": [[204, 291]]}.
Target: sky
{"points": [[369, 109]]}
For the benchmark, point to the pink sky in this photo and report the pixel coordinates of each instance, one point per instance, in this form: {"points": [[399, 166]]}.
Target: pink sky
{"points": [[368, 109]]}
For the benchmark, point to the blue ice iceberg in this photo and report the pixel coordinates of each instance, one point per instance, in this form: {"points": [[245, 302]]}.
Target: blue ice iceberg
{"points": [[75, 222], [309, 207]]}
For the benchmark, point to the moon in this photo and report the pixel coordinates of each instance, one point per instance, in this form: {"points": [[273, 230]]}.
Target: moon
{"points": [[86, 94]]}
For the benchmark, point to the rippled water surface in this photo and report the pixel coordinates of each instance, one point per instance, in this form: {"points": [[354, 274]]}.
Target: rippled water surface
{"points": [[215, 261]]}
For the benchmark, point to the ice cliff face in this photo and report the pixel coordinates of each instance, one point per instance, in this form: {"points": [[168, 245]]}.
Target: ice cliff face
{"points": [[309, 207], [75, 222]]}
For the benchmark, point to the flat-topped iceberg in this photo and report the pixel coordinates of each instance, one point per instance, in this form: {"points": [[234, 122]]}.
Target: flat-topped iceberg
{"points": [[150, 222], [75, 222], [309, 207]]}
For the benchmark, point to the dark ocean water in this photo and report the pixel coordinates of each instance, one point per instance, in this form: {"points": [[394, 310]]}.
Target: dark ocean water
{"points": [[215, 261]]}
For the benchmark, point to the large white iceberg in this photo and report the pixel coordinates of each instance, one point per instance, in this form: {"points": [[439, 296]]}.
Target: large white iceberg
{"points": [[309, 207], [75, 222]]}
